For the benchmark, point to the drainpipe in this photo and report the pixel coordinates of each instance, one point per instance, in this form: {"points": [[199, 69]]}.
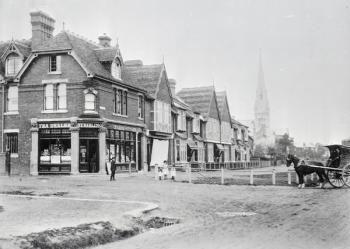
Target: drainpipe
{"points": [[2, 117]]}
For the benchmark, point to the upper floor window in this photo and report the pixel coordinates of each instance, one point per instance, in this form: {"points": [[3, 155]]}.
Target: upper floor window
{"points": [[55, 97], [55, 64], [12, 99], [140, 107], [90, 100], [62, 96], [181, 121], [13, 65], [116, 69], [121, 102], [196, 125]]}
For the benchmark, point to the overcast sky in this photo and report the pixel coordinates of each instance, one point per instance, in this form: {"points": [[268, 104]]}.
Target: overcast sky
{"points": [[305, 50]]}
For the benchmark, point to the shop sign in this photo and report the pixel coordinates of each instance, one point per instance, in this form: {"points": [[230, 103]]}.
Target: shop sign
{"points": [[89, 125], [54, 125]]}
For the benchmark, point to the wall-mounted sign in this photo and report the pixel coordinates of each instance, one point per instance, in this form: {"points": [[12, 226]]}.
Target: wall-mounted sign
{"points": [[89, 125], [54, 125]]}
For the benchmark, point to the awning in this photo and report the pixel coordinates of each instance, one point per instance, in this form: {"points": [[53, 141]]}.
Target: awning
{"points": [[192, 145], [219, 147], [198, 138]]}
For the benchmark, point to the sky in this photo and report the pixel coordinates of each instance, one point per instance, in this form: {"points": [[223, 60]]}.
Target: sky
{"points": [[305, 50]]}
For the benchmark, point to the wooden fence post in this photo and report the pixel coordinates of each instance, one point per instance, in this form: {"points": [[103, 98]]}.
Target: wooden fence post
{"points": [[189, 173], [156, 172], [251, 178], [273, 177], [222, 176], [289, 178]]}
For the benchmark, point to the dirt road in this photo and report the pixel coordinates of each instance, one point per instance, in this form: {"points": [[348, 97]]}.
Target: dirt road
{"points": [[286, 217]]}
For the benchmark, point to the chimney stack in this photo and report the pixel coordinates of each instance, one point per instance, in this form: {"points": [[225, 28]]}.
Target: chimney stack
{"points": [[42, 27], [172, 84], [104, 40]]}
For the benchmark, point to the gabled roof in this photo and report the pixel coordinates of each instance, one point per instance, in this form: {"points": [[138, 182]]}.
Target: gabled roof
{"points": [[146, 77], [106, 54], [235, 122], [222, 101], [198, 98]]}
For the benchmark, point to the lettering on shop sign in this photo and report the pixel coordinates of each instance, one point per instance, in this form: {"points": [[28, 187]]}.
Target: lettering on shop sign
{"points": [[54, 125], [89, 125]]}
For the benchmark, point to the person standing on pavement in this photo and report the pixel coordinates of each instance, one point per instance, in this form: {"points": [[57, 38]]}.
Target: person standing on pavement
{"points": [[113, 168]]}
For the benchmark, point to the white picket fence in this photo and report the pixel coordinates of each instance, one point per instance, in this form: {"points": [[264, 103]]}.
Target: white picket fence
{"points": [[224, 173]]}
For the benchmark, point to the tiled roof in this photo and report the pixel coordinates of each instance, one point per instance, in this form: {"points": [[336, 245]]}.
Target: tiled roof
{"points": [[106, 54], [88, 52], [221, 98], [198, 98], [146, 77]]}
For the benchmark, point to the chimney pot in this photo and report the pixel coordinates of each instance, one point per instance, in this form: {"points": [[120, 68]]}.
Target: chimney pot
{"points": [[104, 40]]}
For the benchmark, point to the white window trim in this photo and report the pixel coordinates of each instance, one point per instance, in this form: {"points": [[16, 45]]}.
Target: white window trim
{"points": [[11, 130], [119, 115], [14, 155], [11, 113], [58, 65], [55, 111], [90, 112], [143, 107]]}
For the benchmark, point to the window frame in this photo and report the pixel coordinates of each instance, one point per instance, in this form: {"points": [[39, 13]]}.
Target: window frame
{"points": [[8, 100], [7, 134], [57, 61], [140, 106], [13, 57], [120, 102]]}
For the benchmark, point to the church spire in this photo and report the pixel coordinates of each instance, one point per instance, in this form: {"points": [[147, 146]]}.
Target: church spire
{"points": [[262, 110]]}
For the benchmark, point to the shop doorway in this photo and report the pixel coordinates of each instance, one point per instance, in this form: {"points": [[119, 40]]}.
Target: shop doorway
{"points": [[88, 156]]}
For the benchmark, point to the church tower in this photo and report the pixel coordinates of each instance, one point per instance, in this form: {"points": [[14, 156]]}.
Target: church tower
{"points": [[262, 131]]}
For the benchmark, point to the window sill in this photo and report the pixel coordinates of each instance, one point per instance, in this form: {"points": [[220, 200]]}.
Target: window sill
{"points": [[90, 112], [55, 111], [12, 113], [120, 115], [140, 118], [56, 72], [14, 155]]}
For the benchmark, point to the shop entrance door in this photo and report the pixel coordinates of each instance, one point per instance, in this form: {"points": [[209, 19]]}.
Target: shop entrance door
{"points": [[88, 156]]}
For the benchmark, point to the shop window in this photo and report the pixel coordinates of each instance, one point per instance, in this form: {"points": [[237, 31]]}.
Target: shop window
{"points": [[55, 64], [13, 65], [11, 140], [55, 146], [121, 145], [12, 99]]}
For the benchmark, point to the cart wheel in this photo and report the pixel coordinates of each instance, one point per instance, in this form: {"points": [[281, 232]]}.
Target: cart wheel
{"points": [[346, 175], [335, 178]]}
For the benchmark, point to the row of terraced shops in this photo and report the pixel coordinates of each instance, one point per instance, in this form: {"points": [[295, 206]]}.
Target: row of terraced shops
{"points": [[69, 105]]}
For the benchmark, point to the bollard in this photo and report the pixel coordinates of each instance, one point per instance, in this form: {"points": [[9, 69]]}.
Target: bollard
{"points": [[222, 176], [251, 178], [289, 178], [273, 177], [130, 167]]}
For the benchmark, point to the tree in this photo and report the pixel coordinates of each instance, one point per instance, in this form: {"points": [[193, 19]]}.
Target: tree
{"points": [[259, 151], [284, 144]]}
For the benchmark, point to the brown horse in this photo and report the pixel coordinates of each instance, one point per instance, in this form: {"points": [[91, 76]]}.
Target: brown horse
{"points": [[302, 169]]}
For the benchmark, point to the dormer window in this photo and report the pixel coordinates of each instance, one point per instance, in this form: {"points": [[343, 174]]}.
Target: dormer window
{"points": [[55, 64], [13, 65], [116, 69]]}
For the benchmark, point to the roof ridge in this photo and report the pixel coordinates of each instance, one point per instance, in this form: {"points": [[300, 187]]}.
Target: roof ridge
{"points": [[197, 87], [80, 37]]}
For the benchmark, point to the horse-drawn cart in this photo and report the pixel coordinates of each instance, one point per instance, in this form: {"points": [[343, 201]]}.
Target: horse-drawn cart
{"points": [[336, 170], [338, 165]]}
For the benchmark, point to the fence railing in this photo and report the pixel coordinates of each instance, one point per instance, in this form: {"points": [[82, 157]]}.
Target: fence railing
{"points": [[226, 165]]}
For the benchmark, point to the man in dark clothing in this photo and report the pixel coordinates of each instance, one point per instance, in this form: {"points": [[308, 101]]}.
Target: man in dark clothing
{"points": [[113, 168]]}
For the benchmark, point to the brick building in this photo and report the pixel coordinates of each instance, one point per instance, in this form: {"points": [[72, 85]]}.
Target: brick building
{"points": [[69, 105], [65, 105]]}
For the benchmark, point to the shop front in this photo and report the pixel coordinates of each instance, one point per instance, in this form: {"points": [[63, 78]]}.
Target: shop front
{"points": [[124, 144]]}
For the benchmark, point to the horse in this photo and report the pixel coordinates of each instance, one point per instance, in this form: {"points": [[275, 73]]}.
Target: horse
{"points": [[302, 169]]}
